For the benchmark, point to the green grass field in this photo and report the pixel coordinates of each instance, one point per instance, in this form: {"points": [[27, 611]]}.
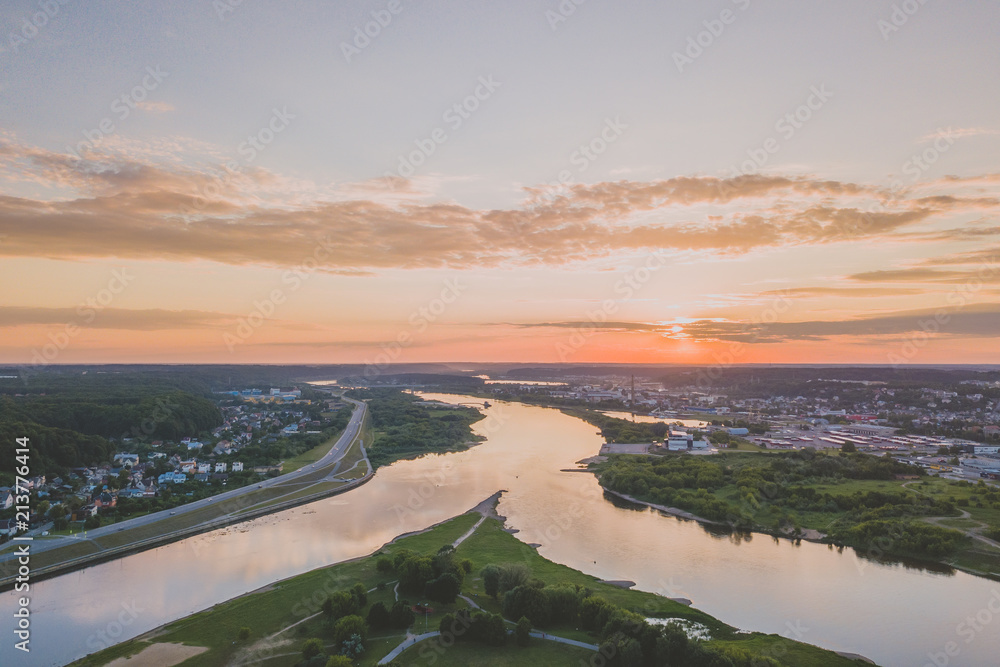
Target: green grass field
{"points": [[538, 653]]}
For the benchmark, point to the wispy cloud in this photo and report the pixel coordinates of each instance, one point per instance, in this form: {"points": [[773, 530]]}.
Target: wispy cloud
{"points": [[153, 319], [132, 208], [979, 321]]}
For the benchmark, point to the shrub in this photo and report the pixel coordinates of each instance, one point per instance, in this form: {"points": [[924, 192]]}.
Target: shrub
{"points": [[312, 648], [523, 631]]}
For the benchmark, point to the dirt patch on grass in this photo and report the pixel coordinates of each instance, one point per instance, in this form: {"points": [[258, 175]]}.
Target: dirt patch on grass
{"points": [[159, 655]]}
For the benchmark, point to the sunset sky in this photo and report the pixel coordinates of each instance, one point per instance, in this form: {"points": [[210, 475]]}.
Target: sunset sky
{"points": [[732, 181]]}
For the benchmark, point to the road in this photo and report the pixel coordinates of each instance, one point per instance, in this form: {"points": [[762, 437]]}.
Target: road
{"points": [[233, 498]]}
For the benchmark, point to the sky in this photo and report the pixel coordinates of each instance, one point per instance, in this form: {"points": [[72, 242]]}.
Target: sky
{"points": [[722, 182]]}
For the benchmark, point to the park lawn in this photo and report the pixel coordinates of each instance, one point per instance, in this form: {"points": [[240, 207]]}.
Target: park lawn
{"points": [[787, 651], [378, 647], [492, 544], [538, 652]]}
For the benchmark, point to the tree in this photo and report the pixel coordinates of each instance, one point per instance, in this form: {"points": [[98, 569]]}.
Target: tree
{"points": [[378, 616], [348, 626], [415, 572], [360, 595], [848, 447], [92, 522], [353, 646], [383, 565], [526, 600], [444, 589], [564, 601], [341, 603], [312, 648], [339, 661], [243, 634], [401, 616], [491, 580], [466, 565], [513, 575], [523, 631], [493, 631], [594, 612]]}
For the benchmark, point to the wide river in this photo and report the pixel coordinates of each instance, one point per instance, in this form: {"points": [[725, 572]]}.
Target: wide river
{"points": [[895, 615]]}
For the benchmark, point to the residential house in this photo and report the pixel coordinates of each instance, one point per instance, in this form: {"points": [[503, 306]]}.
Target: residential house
{"points": [[7, 497], [8, 526], [105, 499]]}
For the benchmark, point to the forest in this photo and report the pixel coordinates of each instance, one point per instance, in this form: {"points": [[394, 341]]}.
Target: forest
{"points": [[782, 493], [406, 429], [74, 420]]}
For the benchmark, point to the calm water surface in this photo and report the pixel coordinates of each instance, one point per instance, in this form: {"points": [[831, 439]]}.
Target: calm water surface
{"points": [[892, 614]]}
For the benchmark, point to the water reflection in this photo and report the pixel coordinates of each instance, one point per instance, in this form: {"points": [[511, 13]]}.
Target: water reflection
{"points": [[751, 582]]}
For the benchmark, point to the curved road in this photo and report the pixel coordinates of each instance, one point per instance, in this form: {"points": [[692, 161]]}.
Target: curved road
{"points": [[336, 453]]}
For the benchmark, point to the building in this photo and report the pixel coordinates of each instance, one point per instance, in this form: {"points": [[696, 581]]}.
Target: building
{"points": [[220, 466], [127, 460], [869, 429], [105, 499], [237, 466], [986, 449]]}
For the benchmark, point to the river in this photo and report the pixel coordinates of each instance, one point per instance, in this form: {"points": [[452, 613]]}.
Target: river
{"points": [[893, 614]]}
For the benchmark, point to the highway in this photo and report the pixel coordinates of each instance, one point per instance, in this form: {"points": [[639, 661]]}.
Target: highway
{"points": [[234, 500]]}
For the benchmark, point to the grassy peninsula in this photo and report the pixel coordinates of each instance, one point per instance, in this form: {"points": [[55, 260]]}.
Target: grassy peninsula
{"points": [[486, 594]]}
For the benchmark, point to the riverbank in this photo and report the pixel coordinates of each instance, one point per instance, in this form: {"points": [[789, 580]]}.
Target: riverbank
{"points": [[855, 501], [321, 480], [270, 612]]}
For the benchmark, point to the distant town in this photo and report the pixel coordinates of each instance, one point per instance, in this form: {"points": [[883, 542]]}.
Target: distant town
{"points": [[951, 432]]}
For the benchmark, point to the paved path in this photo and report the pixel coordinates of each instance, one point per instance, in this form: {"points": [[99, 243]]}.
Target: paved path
{"points": [[562, 640], [470, 602], [407, 643], [469, 533]]}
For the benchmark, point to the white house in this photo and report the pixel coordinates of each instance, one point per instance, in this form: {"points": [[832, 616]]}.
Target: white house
{"points": [[237, 466], [220, 466]]}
